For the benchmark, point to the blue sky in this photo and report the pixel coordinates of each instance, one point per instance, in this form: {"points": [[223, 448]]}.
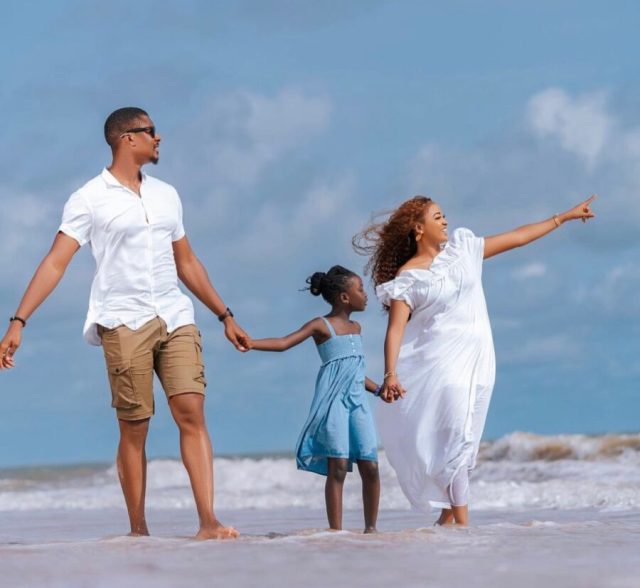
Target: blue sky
{"points": [[285, 124]]}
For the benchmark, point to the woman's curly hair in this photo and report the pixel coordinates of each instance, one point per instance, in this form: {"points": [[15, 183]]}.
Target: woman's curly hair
{"points": [[391, 242]]}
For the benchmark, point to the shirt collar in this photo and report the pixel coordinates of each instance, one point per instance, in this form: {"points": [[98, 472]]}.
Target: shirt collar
{"points": [[111, 182]]}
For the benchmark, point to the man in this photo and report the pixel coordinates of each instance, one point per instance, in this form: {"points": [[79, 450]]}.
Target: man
{"points": [[133, 223]]}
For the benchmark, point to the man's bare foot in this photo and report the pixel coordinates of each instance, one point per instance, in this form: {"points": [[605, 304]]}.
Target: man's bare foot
{"points": [[370, 530], [138, 534], [216, 531]]}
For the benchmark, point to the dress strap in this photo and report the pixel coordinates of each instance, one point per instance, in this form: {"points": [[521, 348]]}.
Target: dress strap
{"points": [[331, 329]]}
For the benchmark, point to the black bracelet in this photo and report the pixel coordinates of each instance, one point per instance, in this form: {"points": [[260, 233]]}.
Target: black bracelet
{"points": [[17, 318], [226, 314]]}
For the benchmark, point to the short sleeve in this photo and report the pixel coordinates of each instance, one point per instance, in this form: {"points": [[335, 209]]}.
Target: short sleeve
{"points": [[178, 231], [400, 288], [465, 241], [77, 219]]}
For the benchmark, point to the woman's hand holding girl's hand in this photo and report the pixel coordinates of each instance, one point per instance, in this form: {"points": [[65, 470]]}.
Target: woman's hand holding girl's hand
{"points": [[391, 389], [582, 211]]}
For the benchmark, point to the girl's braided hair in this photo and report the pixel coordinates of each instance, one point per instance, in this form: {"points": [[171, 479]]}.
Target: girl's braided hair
{"points": [[330, 284], [392, 242]]}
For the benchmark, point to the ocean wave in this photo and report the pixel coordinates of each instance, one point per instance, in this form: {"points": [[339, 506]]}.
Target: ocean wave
{"points": [[518, 471], [531, 447]]}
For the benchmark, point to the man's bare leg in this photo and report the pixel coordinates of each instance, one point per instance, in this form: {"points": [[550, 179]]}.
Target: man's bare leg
{"points": [[197, 456], [132, 471]]}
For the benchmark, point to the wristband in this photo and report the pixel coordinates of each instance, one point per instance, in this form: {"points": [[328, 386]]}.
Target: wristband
{"points": [[388, 375], [378, 390], [556, 220], [17, 318], [226, 314]]}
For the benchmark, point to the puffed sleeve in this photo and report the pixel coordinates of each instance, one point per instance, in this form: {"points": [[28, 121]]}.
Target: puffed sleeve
{"points": [[178, 231], [400, 288], [465, 241], [77, 219]]}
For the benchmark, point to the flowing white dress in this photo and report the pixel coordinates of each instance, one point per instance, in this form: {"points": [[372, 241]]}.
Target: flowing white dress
{"points": [[447, 366]]}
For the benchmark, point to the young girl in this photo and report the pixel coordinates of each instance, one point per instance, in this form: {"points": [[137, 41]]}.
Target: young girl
{"points": [[339, 429]]}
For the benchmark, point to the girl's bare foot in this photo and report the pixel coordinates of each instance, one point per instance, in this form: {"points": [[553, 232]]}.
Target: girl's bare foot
{"points": [[370, 530], [139, 530]]}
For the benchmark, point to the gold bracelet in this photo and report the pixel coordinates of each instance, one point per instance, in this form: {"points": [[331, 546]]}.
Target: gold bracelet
{"points": [[388, 375], [556, 220]]}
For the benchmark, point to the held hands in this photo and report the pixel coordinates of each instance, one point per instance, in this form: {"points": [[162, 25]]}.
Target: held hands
{"points": [[9, 345], [582, 211], [391, 390], [239, 339]]}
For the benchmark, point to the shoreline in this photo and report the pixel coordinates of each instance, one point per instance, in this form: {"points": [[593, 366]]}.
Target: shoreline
{"points": [[292, 547]]}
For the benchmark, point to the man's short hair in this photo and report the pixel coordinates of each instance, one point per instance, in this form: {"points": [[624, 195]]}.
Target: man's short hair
{"points": [[119, 121]]}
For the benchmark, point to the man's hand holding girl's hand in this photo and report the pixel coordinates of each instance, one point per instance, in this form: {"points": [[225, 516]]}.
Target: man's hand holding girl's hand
{"points": [[239, 339]]}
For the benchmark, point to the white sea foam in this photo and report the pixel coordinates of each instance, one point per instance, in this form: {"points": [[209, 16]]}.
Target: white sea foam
{"points": [[519, 472]]}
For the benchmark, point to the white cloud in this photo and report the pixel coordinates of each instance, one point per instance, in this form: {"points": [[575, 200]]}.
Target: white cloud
{"points": [[278, 231], [535, 269], [25, 226], [237, 145], [243, 133], [581, 124], [615, 292], [551, 348]]}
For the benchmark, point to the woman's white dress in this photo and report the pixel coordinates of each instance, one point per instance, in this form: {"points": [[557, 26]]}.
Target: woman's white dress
{"points": [[447, 366]]}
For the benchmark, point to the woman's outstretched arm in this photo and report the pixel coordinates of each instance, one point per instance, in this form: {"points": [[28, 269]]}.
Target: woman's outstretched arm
{"points": [[528, 233], [314, 328], [399, 313]]}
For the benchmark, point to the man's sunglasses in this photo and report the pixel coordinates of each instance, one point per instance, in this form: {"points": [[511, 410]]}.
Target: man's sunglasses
{"points": [[151, 131]]}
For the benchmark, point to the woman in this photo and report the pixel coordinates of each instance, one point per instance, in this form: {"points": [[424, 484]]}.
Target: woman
{"points": [[438, 345]]}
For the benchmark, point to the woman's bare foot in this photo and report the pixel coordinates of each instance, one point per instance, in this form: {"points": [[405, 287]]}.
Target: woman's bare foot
{"points": [[370, 530], [446, 518], [216, 531]]}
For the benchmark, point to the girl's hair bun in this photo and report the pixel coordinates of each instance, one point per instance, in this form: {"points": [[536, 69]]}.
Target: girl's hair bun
{"points": [[316, 282], [330, 284]]}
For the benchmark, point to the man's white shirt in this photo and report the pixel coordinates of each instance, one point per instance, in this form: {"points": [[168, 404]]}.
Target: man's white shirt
{"points": [[131, 240]]}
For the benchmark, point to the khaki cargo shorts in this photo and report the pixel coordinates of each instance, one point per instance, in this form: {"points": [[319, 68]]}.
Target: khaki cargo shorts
{"points": [[133, 356]]}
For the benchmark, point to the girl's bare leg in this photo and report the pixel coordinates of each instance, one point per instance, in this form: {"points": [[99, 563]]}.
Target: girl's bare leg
{"points": [[370, 493], [337, 472]]}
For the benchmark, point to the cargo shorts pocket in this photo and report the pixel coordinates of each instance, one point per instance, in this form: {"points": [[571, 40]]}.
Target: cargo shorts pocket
{"points": [[123, 390], [199, 360]]}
